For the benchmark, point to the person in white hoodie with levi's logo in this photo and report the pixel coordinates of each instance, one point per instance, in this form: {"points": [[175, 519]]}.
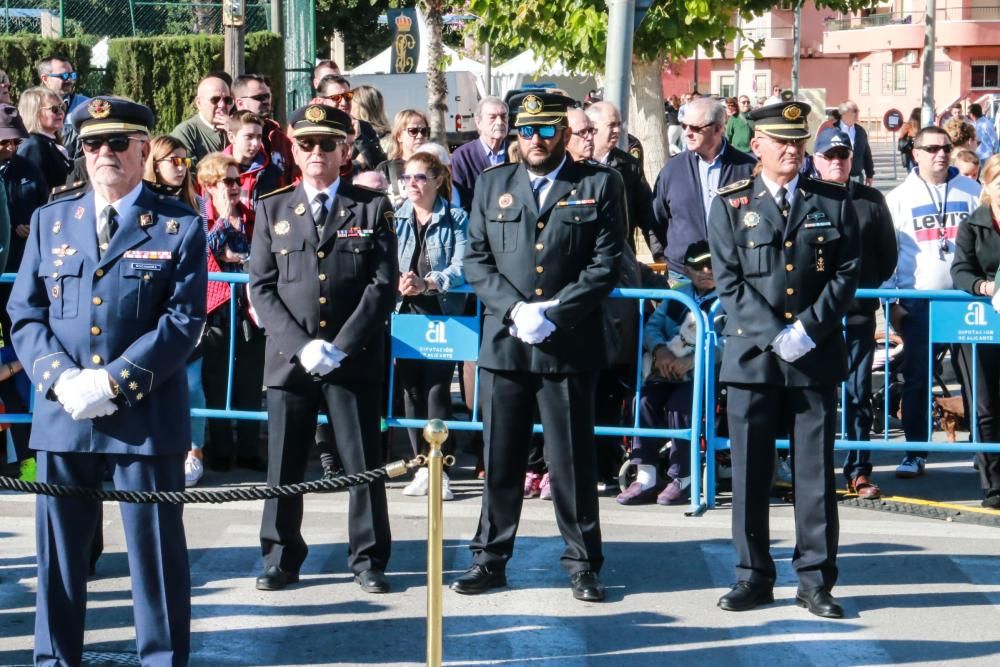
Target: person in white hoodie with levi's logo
{"points": [[927, 208]]}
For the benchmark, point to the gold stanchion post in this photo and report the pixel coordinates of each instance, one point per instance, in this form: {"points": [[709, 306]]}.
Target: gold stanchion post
{"points": [[436, 432]]}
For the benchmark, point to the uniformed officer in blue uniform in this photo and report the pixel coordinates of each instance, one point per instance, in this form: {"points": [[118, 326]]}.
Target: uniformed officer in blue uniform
{"points": [[786, 257], [108, 303], [545, 244], [323, 280]]}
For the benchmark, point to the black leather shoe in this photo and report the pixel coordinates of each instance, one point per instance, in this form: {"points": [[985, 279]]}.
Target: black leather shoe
{"points": [[478, 579], [372, 581], [819, 601], [745, 595], [587, 586], [274, 579]]}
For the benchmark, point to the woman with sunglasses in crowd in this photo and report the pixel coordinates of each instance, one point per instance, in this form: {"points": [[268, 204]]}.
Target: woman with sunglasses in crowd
{"points": [[229, 234], [410, 131], [432, 238], [44, 114], [168, 170]]}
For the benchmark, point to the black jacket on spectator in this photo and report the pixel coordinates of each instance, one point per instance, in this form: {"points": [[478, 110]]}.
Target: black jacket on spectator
{"points": [[977, 251], [26, 190], [677, 200], [638, 203], [367, 151], [879, 252], [44, 153]]}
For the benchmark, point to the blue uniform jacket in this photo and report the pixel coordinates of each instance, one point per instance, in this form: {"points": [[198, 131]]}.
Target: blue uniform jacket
{"points": [[137, 312]]}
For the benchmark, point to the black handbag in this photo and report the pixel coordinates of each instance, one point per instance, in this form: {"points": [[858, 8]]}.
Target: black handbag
{"points": [[905, 145]]}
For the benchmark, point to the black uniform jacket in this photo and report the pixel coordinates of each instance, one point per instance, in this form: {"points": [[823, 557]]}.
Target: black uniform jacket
{"points": [[338, 287], [770, 274], [570, 250], [977, 251], [638, 203], [879, 251]]}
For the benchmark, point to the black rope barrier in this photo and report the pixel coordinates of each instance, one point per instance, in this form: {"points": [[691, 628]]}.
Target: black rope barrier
{"points": [[325, 485]]}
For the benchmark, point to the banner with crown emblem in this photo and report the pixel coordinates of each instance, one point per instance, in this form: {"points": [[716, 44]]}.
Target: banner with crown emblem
{"points": [[405, 40]]}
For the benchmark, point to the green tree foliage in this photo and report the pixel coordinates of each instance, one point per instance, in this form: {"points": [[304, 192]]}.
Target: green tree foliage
{"points": [[357, 20]]}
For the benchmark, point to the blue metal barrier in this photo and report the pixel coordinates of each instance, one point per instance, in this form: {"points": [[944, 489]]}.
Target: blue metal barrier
{"points": [[980, 326]]}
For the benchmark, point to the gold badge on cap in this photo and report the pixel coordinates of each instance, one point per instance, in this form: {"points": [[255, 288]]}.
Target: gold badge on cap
{"points": [[173, 226], [145, 220], [315, 114], [300, 209], [506, 199], [532, 104], [792, 112], [751, 219], [282, 227], [99, 108]]}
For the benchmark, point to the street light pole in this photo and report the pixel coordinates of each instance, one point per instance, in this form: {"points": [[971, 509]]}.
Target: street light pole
{"points": [[618, 59], [930, 21]]}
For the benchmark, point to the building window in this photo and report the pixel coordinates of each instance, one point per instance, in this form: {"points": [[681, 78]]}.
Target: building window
{"points": [[760, 85], [864, 79], [887, 79], [899, 80], [727, 86], [986, 75]]}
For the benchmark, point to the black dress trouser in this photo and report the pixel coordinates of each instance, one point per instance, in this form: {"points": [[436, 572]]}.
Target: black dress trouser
{"points": [[987, 407]]}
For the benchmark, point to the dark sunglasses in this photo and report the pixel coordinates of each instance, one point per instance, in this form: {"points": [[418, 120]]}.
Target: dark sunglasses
{"points": [[261, 97], [587, 132], [544, 131], [230, 182], [697, 129], [418, 178], [118, 143], [327, 145], [178, 161], [418, 131], [936, 148], [215, 100], [57, 109], [65, 76], [7, 143], [336, 98], [837, 154]]}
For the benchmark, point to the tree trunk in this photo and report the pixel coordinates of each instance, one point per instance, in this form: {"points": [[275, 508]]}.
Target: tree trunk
{"points": [[437, 85], [645, 115]]}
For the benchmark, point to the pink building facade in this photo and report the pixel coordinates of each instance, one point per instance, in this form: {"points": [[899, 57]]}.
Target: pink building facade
{"points": [[875, 59]]}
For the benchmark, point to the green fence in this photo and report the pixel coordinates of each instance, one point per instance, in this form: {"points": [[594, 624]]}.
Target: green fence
{"points": [[124, 18]]}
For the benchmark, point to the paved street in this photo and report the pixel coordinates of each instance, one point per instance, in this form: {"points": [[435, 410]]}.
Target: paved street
{"points": [[916, 591]]}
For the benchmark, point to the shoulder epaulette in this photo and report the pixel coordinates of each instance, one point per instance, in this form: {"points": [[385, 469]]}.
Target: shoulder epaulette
{"points": [[78, 187], [500, 166], [826, 182], [733, 187], [287, 188]]}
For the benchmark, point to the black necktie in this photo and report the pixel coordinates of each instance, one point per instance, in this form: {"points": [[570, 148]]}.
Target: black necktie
{"points": [[107, 230], [781, 197], [536, 189], [321, 199]]}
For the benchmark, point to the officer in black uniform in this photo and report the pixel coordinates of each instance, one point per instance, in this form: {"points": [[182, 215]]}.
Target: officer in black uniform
{"points": [[786, 255], [109, 302], [323, 282], [545, 243]]}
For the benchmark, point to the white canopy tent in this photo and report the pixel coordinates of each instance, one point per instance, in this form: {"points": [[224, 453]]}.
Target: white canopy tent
{"points": [[526, 68]]}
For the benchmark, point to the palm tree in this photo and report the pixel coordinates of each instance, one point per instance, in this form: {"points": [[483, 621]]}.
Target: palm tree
{"points": [[437, 86]]}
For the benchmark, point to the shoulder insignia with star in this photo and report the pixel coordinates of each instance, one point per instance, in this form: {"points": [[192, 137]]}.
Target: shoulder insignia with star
{"points": [[64, 191], [734, 187]]}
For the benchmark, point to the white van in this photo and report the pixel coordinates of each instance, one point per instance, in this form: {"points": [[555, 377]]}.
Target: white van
{"points": [[409, 91]]}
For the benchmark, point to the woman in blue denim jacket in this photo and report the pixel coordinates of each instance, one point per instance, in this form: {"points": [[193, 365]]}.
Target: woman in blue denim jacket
{"points": [[431, 240]]}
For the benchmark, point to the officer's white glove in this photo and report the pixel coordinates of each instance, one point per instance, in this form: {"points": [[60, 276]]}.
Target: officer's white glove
{"points": [[314, 359], [530, 324], [792, 343], [88, 394], [63, 383], [334, 354], [996, 300]]}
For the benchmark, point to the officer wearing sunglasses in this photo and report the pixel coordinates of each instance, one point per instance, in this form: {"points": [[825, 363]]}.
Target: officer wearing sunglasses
{"points": [[545, 244], [108, 304], [323, 280]]}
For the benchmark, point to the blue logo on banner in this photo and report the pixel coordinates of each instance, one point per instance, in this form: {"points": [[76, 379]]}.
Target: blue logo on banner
{"points": [[435, 338], [957, 322]]}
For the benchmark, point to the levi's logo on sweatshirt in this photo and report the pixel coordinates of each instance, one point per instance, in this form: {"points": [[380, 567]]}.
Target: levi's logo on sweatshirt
{"points": [[926, 224]]}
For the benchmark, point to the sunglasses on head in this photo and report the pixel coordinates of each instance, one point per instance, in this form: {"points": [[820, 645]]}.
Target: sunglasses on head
{"points": [[65, 76], [416, 178], [543, 131], [337, 98], [837, 154], [215, 100], [418, 131], [327, 144], [260, 97], [697, 129], [936, 148], [7, 143], [117, 142], [178, 161], [57, 109], [586, 132]]}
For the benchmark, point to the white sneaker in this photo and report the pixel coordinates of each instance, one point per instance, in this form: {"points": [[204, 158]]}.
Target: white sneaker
{"points": [[194, 468], [784, 471], [446, 493], [418, 487], [911, 466]]}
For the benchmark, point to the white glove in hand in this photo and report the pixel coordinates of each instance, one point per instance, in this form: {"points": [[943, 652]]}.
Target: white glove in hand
{"points": [[64, 381], [314, 359], [792, 343], [996, 301], [334, 354], [88, 394], [530, 324]]}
